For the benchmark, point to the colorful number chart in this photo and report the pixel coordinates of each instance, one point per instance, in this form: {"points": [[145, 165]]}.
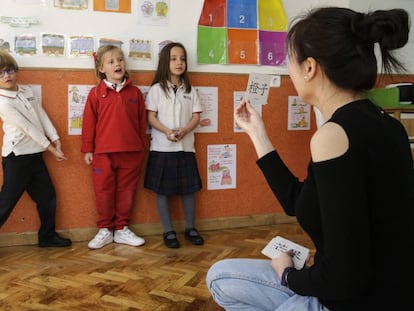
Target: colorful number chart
{"points": [[242, 32]]}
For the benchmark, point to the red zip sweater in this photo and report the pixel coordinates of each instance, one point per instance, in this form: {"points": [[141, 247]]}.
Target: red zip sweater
{"points": [[114, 122]]}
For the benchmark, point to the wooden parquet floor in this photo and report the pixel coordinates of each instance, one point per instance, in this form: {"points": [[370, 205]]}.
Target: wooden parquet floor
{"points": [[120, 277]]}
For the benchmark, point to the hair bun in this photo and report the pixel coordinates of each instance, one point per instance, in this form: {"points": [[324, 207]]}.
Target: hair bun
{"points": [[390, 28]]}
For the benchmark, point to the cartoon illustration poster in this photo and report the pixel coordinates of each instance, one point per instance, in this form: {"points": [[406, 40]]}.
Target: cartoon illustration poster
{"points": [[299, 114], [77, 95], [221, 167], [209, 100], [153, 12]]}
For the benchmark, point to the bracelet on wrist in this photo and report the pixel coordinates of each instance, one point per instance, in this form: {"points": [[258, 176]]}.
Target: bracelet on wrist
{"points": [[283, 279]]}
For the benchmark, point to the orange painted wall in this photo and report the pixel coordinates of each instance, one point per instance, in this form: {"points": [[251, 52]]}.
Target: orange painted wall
{"points": [[73, 180]]}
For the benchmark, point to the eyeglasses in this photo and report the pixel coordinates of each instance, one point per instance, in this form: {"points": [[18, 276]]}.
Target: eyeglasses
{"points": [[9, 71]]}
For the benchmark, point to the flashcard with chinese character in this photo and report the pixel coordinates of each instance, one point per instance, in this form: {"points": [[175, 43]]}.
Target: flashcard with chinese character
{"points": [[280, 245]]}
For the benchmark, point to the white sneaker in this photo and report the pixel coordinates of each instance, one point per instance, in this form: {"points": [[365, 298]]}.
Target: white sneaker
{"points": [[102, 238], [126, 236]]}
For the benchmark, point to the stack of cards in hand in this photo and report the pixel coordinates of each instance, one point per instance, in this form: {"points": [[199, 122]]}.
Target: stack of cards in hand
{"points": [[280, 245]]}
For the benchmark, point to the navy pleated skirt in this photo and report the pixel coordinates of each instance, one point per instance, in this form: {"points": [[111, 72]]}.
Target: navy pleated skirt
{"points": [[172, 173]]}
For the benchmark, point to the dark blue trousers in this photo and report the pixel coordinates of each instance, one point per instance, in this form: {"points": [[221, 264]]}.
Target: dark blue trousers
{"points": [[28, 173]]}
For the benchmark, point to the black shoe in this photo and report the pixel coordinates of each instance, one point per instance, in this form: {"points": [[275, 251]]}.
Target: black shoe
{"points": [[193, 236], [55, 241], [172, 241]]}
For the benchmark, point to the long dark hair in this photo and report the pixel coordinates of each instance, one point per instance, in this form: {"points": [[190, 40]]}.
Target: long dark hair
{"points": [[163, 70], [342, 41]]}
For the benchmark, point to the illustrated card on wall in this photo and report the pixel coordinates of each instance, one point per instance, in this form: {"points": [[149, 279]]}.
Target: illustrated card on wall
{"points": [[81, 46], [140, 49], [299, 114], [221, 167], [53, 44], [209, 101], [25, 44], [77, 96], [258, 87]]}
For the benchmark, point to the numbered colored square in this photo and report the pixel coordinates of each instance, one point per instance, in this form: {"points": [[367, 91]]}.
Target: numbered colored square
{"points": [[213, 14], [242, 32], [211, 45], [243, 46], [272, 15], [272, 48], [242, 14]]}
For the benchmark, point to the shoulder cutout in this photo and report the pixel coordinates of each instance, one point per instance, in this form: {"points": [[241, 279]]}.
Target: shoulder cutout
{"points": [[329, 141]]}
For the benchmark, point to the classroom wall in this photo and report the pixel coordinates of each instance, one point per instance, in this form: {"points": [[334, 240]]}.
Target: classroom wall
{"points": [[73, 178]]}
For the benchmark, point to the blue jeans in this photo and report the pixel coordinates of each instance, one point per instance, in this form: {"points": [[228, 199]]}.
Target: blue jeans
{"points": [[253, 285]]}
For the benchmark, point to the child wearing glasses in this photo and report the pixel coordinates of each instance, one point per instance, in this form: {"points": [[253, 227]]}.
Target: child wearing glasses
{"points": [[28, 132]]}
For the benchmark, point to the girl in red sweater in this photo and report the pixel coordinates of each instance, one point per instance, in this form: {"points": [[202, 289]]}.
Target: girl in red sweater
{"points": [[114, 140]]}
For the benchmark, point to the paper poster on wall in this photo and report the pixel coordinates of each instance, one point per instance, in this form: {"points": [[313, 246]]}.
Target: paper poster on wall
{"points": [[208, 118], [153, 12], [71, 4], [242, 32], [77, 96], [221, 167], [298, 114], [115, 6], [25, 44], [53, 44], [237, 98], [81, 46], [140, 49]]}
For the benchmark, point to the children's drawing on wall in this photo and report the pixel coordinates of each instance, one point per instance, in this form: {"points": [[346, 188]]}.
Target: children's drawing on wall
{"points": [[117, 6], [107, 41], [71, 4], [153, 12], [221, 167], [25, 44], [208, 118], [299, 114], [53, 44], [140, 49], [237, 98], [81, 46], [77, 95]]}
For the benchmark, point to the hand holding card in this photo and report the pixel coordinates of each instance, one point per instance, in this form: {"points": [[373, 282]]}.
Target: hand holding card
{"points": [[280, 245]]}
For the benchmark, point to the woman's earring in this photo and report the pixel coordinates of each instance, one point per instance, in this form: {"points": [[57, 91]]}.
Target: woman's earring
{"points": [[306, 77]]}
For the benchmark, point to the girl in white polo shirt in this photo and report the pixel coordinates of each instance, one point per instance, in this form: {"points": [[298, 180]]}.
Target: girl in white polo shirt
{"points": [[173, 113]]}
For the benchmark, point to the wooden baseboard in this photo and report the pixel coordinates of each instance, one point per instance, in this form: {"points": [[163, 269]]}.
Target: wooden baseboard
{"points": [[86, 234]]}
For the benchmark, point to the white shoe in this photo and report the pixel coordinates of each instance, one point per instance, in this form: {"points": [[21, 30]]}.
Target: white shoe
{"points": [[102, 238], [126, 236]]}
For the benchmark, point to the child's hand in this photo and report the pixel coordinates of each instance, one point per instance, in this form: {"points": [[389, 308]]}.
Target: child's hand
{"points": [[57, 152], [180, 133], [172, 135], [88, 158]]}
